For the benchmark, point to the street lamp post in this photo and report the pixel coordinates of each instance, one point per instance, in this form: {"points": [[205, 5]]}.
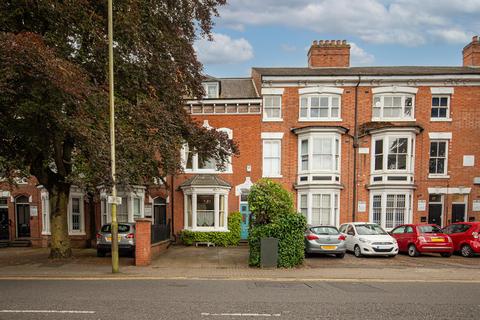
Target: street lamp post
{"points": [[114, 225]]}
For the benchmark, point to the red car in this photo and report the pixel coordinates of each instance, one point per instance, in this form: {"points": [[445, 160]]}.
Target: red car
{"points": [[465, 237], [416, 239]]}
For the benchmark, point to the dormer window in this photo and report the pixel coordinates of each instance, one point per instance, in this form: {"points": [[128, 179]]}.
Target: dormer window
{"points": [[211, 90], [393, 103]]}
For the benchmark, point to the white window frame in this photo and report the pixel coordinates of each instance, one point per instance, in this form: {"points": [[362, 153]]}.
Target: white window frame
{"points": [[216, 192], [394, 91], [335, 139], [308, 99], [136, 192], [447, 117], [445, 169], [268, 173], [408, 214], [387, 137], [442, 92], [80, 196], [334, 218], [266, 118], [195, 160], [206, 85]]}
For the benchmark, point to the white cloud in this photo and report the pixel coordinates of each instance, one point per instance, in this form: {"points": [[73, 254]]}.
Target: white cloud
{"points": [[223, 50], [287, 47], [406, 22], [360, 57]]}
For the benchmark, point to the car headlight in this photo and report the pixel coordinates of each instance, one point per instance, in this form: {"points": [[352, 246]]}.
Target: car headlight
{"points": [[364, 240], [394, 240]]}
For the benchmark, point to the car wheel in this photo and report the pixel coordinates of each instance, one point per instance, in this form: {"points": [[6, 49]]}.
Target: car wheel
{"points": [[357, 251], [101, 253], [446, 254], [340, 255], [412, 251], [466, 251]]}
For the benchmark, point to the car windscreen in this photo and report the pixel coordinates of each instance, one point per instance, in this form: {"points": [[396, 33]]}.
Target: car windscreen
{"points": [[122, 228], [324, 230], [429, 229], [369, 229]]}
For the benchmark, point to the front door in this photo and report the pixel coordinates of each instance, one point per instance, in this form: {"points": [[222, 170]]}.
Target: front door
{"points": [[458, 212], [4, 233], [245, 220], [159, 214], [435, 213], [23, 220]]}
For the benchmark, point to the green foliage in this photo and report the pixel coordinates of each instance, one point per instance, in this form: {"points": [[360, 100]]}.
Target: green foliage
{"points": [[267, 200], [223, 239], [275, 217], [289, 230]]}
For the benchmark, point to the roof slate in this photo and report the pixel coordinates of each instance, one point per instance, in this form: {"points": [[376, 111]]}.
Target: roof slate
{"points": [[237, 88], [210, 180]]}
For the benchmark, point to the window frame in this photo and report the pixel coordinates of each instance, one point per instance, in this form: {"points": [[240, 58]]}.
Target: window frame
{"points": [[408, 208], [80, 197], [195, 158], [191, 194], [334, 205], [329, 117], [387, 138], [269, 173], [266, 118], [137, 192], [206, 85], [445, 158], [336, 153], [447, 116], [45, 204]]}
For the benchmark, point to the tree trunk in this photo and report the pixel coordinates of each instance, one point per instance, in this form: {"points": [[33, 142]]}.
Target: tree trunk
{"points": [[60, 242]]}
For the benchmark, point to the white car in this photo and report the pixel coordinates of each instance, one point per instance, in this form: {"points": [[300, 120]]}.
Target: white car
{"points": [[364, 238]]}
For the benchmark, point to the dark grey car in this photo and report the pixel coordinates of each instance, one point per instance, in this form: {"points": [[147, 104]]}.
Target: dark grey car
{"points": [[325, 240], [126, 239]]}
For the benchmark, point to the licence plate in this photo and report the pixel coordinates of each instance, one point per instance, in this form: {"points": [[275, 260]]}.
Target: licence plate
{"points": [[329, 247], [438, 240], [109, 239]]}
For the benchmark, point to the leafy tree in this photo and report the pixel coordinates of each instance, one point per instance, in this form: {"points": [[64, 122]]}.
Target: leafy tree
{"points": [[54, 105]]}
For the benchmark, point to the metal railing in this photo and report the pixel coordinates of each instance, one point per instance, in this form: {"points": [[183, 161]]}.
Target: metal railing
{"points": [[160, 232]]}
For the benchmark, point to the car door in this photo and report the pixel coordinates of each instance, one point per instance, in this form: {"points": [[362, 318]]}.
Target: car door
{"points": [[409, 236], [398, 234], [350, 237], [452, 231]]}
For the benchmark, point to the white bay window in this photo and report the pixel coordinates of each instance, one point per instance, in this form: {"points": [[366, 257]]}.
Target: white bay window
{"points": [[131, 208], [206, 209], [320, 207], [390, 208]]}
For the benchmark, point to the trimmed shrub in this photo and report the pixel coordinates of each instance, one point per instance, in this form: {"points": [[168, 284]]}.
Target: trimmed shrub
{"points": [[289, 230], [275, 216], [223, 239], [267, 200]]}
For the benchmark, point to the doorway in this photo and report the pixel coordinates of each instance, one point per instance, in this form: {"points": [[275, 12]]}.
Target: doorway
{"points": [[459, 207], [4, 225], [435, 209], [245, 212], [160, 211], [22, 207]]}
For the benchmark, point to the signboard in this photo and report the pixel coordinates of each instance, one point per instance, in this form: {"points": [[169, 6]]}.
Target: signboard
{"points": [[116, 200], [362, 206], [422, 205], [148, 211], [476, 205], [33, 211]]}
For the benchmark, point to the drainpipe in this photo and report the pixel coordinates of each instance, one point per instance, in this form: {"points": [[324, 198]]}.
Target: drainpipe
{"points": [[355, 150], [172, 192]]}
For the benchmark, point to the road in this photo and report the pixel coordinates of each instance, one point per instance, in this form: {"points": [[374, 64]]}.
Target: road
{"points": [[220, 299]]}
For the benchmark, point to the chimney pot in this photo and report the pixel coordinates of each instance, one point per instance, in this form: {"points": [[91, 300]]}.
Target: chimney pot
{"points": [[344, 41], [471, 53], [475, 39], [315, 42]]}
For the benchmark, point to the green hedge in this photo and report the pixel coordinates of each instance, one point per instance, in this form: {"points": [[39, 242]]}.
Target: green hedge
{"points": [[289, 230], [223, 239]]}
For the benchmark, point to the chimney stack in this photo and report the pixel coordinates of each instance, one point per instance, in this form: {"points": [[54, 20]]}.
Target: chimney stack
{"points": [[471, 53], [329, 54]]}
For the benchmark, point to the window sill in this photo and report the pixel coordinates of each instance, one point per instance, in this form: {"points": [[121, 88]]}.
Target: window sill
{"points": [[207, 172], [393, 119], [72, 233], [274, 177], [434, 176], [441, 119], [272, 120], [46, 233], [320, 120]]}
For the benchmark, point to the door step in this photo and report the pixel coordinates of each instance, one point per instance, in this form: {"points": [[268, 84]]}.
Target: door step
{"points": [[4, 243], [243, 243], [20, 243]]}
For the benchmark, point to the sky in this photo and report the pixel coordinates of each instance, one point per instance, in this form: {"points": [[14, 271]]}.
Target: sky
{"points": [[278, 33]]}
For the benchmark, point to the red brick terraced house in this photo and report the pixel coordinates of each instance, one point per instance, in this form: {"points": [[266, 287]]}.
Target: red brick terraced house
{"points": [[389, 145]]}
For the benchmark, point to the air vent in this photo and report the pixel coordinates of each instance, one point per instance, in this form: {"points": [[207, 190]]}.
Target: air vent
{"points": [[377, 178], [395, 178], [321, 178], [304, 178]]}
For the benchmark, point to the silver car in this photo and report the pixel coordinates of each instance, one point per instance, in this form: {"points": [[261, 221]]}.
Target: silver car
{"points": [[326, 240], [126, 239]]}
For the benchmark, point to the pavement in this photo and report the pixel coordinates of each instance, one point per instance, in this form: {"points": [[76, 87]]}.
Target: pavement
{"points": [[180, 262]]}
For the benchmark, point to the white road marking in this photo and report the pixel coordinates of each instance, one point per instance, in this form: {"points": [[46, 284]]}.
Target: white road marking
{"points": [[241, 314], [47, 311]]}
